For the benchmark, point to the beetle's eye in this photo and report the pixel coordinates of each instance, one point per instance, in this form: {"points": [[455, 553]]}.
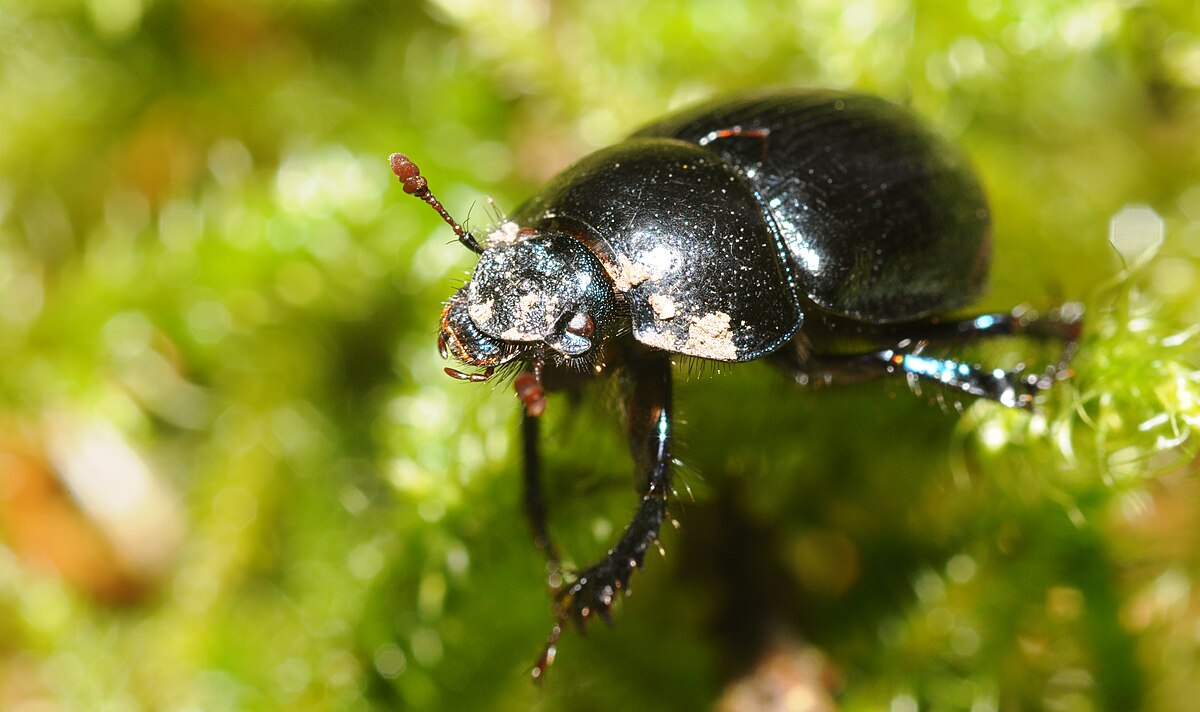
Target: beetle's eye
{"points": [[581, 325]]}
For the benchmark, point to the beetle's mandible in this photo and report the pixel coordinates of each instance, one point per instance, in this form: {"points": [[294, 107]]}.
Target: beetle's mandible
{"points": [[825, 231]]}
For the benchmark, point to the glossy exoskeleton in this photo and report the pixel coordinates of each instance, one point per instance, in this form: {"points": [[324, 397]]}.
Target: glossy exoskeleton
{"points": [[822, 230]]}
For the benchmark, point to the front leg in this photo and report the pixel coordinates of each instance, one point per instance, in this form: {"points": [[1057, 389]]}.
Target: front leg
{"points": [[646, 391]]}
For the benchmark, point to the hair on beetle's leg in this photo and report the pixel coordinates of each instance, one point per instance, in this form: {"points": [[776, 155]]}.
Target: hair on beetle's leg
{"points": [[646, 390]]}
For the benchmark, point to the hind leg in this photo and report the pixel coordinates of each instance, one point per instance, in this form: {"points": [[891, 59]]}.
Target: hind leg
{"points": [[1014, 389]]}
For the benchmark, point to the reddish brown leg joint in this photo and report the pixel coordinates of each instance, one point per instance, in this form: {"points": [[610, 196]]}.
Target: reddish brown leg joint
{"points": [[532, 394], [530, 389]]}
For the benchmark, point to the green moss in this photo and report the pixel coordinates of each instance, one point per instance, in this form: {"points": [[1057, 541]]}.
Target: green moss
{"points": [[200, 245]]}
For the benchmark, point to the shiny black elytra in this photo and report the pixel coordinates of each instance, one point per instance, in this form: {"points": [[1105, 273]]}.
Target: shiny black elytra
{"points": [[822, 230]]}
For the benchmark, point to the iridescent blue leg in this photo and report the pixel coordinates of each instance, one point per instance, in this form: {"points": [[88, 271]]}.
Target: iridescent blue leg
{"points": [[1015, 389]]}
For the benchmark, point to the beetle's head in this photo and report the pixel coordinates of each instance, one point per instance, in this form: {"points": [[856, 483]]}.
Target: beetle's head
{"points": [[532, 291], [533, 295]]}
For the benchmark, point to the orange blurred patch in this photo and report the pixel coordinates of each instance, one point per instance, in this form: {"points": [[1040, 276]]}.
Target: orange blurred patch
{"points": [[46, 530]]}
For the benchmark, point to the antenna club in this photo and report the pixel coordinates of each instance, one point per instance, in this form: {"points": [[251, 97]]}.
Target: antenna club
{"points": [[408, 173], [403, 166]]}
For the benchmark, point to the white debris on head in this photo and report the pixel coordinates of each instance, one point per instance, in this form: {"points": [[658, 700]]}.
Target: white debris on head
{"points": [[506, 233], [481, 313]]}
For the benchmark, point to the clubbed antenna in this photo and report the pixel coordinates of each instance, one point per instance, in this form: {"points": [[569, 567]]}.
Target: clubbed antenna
{"points": [[415, 184]]}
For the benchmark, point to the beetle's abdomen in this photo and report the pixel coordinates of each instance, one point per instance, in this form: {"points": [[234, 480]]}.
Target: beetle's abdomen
{"points": [[882, 219]]}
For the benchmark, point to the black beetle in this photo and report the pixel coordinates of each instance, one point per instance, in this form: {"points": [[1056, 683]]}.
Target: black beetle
{"points": [[823, 230]]}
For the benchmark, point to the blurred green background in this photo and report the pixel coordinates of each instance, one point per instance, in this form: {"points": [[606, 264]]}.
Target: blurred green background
{"points": [[233, 476]]}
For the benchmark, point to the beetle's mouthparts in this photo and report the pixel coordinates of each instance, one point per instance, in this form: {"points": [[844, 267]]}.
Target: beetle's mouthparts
{"points": [[477, 377]]}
